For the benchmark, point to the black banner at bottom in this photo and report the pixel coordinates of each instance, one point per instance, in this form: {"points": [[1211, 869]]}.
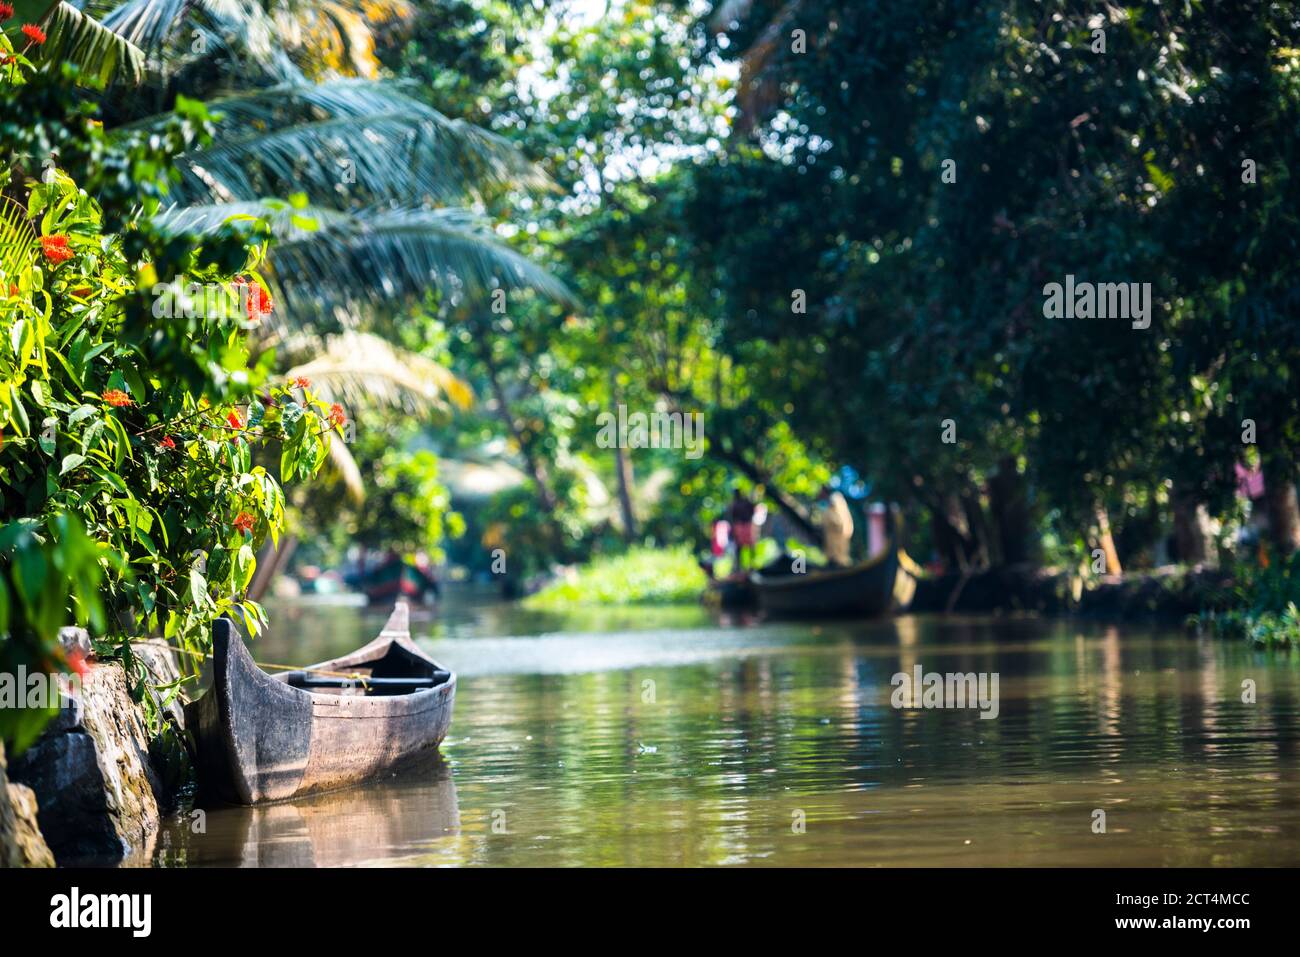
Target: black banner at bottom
{"points": [[382, 905]]}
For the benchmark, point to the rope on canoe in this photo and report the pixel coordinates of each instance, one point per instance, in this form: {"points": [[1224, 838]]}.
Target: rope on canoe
{"points": [[351, 675]]}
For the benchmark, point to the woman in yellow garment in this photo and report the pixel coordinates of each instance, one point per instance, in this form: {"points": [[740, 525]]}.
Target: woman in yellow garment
{"points": [[837, 526]]}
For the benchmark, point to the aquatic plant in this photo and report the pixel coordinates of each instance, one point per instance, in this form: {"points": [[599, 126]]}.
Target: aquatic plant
{"points": [[1260, 607], [641, 576]]}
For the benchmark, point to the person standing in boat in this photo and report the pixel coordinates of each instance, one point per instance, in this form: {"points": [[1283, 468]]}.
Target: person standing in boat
{"points": [[719, 545], [741, 514], [836, 525]]}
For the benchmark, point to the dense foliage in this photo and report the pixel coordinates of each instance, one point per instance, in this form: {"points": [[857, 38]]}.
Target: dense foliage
{"points": [[829, 228], [132, 413], [1120, 161]]}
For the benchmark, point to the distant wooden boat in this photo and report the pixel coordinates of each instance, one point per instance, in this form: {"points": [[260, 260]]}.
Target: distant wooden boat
{"points": [[393, 579], [266, 737], [871, 588]]}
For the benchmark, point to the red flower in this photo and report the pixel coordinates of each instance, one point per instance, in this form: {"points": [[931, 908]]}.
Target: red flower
{"points": [[336, 416], [77, 662], [244, 523], [55, 248], [14, 290], [302, 382], [33, 33], [116, 398], [167, 443], [6, 10], [235, 421], [258, 301]]}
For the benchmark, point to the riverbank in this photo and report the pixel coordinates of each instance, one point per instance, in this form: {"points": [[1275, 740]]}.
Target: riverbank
{"points": [[1243, 602], [95, 786], [653, 576], [1170, 592]]}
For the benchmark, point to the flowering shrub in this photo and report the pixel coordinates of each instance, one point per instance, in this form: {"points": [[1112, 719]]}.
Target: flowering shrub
{"points": [[133, 451]]}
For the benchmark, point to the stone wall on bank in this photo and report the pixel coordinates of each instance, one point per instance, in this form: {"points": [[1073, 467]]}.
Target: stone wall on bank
{"points": [[96, 775], [21, 843]]}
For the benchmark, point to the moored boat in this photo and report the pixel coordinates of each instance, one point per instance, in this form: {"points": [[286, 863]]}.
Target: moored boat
{"points": [[396, 578], [874, 587], [267, 737]]}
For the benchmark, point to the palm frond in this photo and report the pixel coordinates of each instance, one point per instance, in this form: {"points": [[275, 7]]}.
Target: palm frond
{"points": [[17, 240], [345, 467], [147, 23], [100, 54], [362, 370], [374, 156], [210, 39], [329, 262], [350, 139]]}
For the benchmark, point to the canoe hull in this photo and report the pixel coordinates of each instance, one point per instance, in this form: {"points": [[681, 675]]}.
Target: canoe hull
{"points": [[866, 590], [260, 739]]}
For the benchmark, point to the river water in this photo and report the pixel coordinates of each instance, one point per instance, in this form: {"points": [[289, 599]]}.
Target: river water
{"points": [[670, 737]]}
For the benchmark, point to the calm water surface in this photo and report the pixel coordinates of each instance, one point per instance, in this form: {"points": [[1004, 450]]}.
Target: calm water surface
{"points": [[666, 737]]}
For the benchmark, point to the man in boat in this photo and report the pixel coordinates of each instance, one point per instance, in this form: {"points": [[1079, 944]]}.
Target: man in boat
{"points": [[741, 514], [836, 526]]}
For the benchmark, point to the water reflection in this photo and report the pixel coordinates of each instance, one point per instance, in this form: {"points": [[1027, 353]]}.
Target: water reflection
{"points": [[657, 738], [412, 813]]}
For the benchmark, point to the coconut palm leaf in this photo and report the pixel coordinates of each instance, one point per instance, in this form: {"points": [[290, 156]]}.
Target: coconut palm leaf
{"points": [[146, 23], [343, 465], [75, 37], [330, 262], [362, 370], [347, 140], [17, 240], [376, 163], [328, 36], [212, 38]]}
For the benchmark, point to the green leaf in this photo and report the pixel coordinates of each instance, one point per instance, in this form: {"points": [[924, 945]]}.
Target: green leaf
{"points": [[245, 564], [198, 588], [47, 442], [71, 462]]}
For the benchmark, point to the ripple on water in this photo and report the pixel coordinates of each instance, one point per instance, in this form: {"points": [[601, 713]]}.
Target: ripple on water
{"points": [[687, 745]]}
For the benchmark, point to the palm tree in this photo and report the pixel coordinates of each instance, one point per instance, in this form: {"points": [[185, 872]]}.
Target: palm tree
{"points": [[383, 184]]}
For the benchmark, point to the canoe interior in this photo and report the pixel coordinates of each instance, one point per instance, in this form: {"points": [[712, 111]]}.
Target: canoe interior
{"points": [[395, 672]]}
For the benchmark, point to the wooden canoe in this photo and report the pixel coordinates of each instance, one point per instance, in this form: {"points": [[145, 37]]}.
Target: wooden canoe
{"points": [[395, 579], [871, 588], [264, 738]]}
